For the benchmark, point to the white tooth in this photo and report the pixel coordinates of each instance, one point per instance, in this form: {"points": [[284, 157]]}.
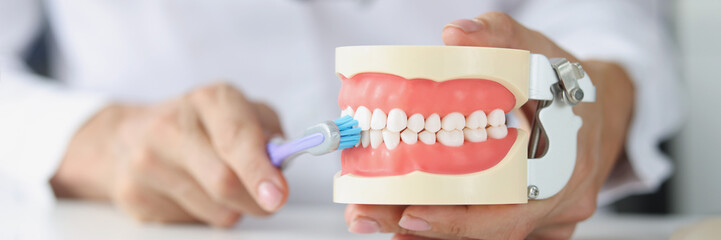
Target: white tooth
{"points": [[433, 123], [365, 139], [391, 139], [477, 119], [409, 136], [475, 134], [348, 111], [496, 118], [497, 132], [416, 122], [376, 138], [453, 121], [427, 137], [452, 138], [363, 115], [378, 121], [397, 120]]}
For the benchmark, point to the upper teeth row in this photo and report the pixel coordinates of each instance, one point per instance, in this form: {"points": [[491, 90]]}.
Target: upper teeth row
{"points": [[451, 130]]}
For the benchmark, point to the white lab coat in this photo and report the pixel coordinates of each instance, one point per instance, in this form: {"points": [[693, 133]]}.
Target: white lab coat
{"points": [[281, 52]]}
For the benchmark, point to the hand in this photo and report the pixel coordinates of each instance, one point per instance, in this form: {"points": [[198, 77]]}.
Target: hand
{"points": [[600, 143], [198, 158]]}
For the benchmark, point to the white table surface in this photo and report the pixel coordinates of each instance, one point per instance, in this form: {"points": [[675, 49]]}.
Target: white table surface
{"points": [[88, 220]]}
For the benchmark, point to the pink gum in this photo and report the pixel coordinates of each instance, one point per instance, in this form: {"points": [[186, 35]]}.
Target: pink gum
{"points": [[436, 158], [387, 91]]}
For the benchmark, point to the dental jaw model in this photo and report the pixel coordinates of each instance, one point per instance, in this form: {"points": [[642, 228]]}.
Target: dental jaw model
{"points": [[433, 123]]}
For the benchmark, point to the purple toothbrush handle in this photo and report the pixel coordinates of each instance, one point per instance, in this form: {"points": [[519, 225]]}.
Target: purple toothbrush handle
{"points": [[278, 153]]}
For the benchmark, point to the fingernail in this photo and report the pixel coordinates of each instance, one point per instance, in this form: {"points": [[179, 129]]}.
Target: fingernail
{"points": [[364, 226], [269, 196], [414, 224], [466, 25]]}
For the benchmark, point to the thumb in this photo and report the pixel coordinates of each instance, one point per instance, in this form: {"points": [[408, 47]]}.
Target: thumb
{"points": [[497, 29]]}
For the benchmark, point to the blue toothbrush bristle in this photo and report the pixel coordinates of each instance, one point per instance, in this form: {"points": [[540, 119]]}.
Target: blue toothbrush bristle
{"points": [[344, 119], [349, 133]]}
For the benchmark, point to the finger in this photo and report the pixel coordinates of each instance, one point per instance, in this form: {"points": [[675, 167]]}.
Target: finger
{"points": [[429, 235], [236, 134], [497, 29], [148, 205], [269, 120], [373, 218], [182, 142], [563, 231], [183, 190], [410, 237], [476, 221]]}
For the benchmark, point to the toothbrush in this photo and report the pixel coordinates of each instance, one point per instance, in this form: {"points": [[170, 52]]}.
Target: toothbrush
{"points": [[320, 139]]}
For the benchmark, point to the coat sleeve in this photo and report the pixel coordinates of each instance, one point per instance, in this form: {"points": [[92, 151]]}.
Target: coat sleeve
{"points": [[38, 116]]}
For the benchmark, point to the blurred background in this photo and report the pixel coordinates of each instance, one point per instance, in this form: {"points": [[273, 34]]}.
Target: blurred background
{"points": [[694, 187]]}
